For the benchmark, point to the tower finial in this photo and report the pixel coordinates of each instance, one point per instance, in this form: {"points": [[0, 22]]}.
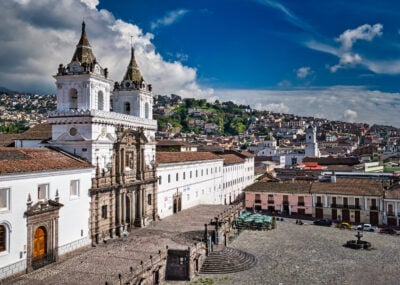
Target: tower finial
{"points": [[83, 26]]}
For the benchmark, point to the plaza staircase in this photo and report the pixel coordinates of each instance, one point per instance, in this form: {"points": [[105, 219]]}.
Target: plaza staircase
{"points": [[228, 260]]}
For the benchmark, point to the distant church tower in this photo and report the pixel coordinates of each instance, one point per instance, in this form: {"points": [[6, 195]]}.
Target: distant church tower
{"points": [[312, 149]]}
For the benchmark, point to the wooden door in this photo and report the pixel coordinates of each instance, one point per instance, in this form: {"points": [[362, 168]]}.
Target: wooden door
{"points": [[345, 215], [334, 214], [39, 243], [319, 213], [374, 218], [357, 217]]}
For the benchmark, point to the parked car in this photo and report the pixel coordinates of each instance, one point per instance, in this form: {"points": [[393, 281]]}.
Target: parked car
{"points": [[343, 225], [323, 222], [389, 231], [365, 227]]}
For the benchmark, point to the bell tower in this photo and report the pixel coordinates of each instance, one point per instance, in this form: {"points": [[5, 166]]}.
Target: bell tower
{"points": [[83, 97], [312, 149], [132, 96]]}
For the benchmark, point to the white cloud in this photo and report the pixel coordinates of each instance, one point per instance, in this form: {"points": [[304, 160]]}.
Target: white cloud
{"points": [[365, 32], [303, 72], [348, 38], [170, 18], [37, 37], [292, 18], [92, 4], [349, 115]]}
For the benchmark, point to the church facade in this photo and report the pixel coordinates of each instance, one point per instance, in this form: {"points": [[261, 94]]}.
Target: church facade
{"points": [[110, 125]]}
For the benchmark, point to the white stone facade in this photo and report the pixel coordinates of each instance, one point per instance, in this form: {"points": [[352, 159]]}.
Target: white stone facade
{"points": [[198, 182], [73, 222]]}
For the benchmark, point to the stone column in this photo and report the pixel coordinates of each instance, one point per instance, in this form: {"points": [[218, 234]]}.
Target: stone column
{"points": [[138, 216], [326, 201], [117, 212], [365, 204], [123, 211]]}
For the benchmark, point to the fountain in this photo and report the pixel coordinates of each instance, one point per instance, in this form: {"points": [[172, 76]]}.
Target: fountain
{"points": [[357, 244]]}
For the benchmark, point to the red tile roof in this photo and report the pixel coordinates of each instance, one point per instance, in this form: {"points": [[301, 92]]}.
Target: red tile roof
{"points": [[22, 160], [170, 157], [38, 132], [231, 158], [349, 186]]}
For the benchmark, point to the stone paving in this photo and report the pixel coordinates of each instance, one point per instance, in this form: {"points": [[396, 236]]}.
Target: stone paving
{"points": [[308, 254], [291, 254], [106, 261]]}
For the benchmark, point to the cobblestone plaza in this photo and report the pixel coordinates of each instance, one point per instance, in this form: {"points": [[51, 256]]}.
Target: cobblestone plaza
{"points": [[290, 254]]}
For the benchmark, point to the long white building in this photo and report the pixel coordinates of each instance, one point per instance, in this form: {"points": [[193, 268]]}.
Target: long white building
{"points": [[187, 179], [44, 207]]}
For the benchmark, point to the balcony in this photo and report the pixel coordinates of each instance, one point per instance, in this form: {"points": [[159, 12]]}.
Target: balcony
{"points": [[257, 201], [346, 206], [319, 205], [271, 201], [285, 203], [300, 204], [390, 214], [373, 208]]}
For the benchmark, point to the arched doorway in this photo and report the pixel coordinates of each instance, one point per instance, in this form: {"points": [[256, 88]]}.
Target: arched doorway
{"points": [[39, 244]]}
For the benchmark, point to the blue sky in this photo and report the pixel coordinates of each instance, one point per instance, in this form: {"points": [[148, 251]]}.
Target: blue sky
{"points": [[336, 59]]}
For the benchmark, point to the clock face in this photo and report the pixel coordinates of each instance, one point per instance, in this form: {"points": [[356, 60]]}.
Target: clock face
{"points": [[127, 84]]}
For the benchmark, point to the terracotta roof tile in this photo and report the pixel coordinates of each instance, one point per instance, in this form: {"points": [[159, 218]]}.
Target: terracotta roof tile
{"points": [[170, 157], [352, 186], [21, 160], [8, 139], [231, 158], [362, 187], [38, 132], [276, 187]]}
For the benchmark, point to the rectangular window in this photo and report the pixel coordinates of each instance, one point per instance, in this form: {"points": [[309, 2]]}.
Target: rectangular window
{"points": [[43, 191], [197, 172], [104, 211], [4, 199], [184, 175], [177, 176], [159, 180], [188, 197], [190, 174], [149, 199], [169, 178], [74, 188]]}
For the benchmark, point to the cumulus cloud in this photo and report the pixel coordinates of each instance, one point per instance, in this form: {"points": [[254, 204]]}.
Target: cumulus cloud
{"points": [[349, 115], [37, 37], [91, 3], [303, 72], [170, 18]]}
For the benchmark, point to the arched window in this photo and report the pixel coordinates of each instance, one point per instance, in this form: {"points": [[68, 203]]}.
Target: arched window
{"points": [[146, 111], [100, 101], [3, 238], [73, 99], [127, 108]]}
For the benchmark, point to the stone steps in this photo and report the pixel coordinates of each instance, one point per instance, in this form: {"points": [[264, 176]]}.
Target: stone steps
{"points": [[228, 260]]}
